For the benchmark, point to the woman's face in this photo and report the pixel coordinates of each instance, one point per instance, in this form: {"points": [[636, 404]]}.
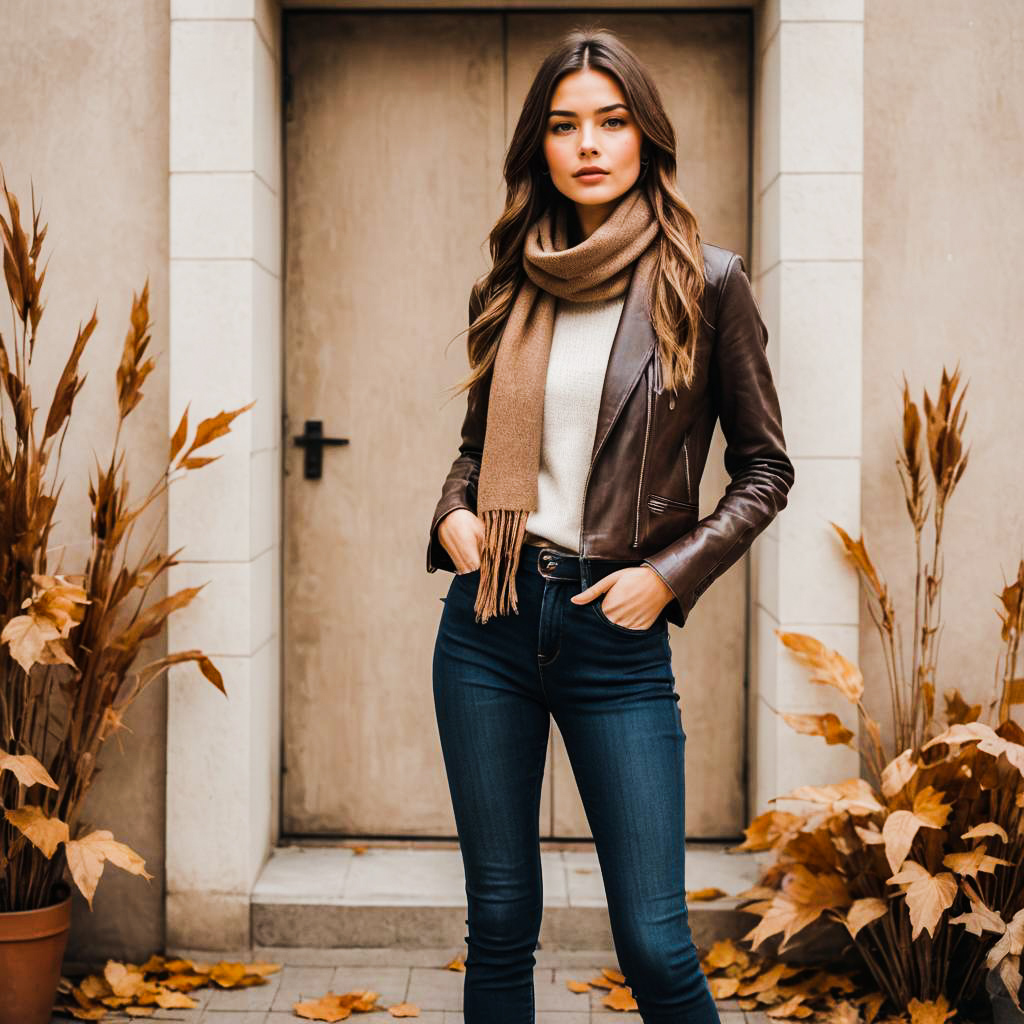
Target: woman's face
{"points": [[590, 125]]}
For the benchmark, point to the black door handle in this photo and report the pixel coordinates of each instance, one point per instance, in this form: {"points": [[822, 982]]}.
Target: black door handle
{"points": [[313, 441]]}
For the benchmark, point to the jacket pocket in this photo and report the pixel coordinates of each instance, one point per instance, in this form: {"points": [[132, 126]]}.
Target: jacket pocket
{"points": [[658, 503]]}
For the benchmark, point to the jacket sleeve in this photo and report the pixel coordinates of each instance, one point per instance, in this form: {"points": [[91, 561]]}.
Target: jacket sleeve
{"points": [[459, 487], [759, 469]]}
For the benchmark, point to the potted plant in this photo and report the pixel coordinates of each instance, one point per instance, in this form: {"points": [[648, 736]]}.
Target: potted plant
{"points": [[920, 861], [69, 641]]}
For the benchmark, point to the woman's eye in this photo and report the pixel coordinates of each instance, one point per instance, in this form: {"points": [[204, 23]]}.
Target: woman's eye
{"points": [[613, 122]]}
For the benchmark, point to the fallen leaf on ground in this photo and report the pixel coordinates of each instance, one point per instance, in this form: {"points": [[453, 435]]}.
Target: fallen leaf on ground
{"points": [[711, 893], [620, 998], [404, 1010]]}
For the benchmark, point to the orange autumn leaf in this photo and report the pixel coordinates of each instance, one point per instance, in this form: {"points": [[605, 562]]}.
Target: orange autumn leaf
{"points": [[855, 796], [724, 953], [930, 811], [829, 726], [185, 982], [863, 912], [703, 895], [27, 770], [927, 895], [723, 988], [612, 974], [792, 1007], [37, 636], [124, 981], [404, 1010], [803, 898], [86, 857], [898, 772], [843, 1013], [364, 1000], [43, 832], [769, 830], [931, 1012], [227, 974], [456, 963], [767, 981], [262, 968], [620, 998], [829, 667], [986, 828], [169, 999], [327, 1008], [216, 426], [973, 861], [577, 986], [179, 435]]}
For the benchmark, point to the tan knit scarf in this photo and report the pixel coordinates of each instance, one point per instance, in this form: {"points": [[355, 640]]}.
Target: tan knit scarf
{"points": [[600, 267]]}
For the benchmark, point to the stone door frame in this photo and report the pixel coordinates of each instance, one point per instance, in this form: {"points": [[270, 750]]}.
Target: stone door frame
{"points": [[226, 349]]}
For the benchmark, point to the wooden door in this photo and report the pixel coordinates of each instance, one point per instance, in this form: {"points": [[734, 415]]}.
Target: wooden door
{"points": [[396, 129]]}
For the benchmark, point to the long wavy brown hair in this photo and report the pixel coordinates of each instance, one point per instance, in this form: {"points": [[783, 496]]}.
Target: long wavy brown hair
{"points": [[678, 284]]}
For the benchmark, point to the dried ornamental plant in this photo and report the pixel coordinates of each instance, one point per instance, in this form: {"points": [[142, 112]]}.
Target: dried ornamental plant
{"points": [[69, 641], [921, 862]]}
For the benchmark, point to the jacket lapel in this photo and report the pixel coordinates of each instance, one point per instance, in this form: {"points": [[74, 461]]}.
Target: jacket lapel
{"points": [[632, 346]]}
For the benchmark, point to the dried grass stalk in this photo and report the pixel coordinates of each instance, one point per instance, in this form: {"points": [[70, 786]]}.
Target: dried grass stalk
{"points": [[70, 641]]}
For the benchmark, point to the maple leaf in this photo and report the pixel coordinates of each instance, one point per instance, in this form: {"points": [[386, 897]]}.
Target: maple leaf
{"points": [[927, 895]]}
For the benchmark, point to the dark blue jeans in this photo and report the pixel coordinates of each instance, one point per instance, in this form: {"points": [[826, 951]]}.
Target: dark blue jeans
{"points": [[612, 694]]}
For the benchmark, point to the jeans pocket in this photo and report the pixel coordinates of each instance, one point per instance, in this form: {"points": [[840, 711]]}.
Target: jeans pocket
{"points": [[628, 630]]}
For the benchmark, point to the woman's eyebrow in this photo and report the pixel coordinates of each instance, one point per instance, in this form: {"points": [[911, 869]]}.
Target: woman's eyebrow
{"points": [[600, 110]]}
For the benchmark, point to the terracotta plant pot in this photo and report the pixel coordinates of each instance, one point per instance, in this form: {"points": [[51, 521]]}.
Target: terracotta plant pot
{"points": [[32, 944]]}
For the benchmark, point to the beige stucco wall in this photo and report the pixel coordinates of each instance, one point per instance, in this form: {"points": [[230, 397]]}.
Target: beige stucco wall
{"points": [[84, 87], [943, 242]]}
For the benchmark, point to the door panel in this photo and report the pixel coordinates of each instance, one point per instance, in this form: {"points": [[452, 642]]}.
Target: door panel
{"points": [[393, 163], [394, 143]]}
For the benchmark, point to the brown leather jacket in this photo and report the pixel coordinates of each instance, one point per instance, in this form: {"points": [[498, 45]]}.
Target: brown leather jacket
{"points": [[641, 497]]}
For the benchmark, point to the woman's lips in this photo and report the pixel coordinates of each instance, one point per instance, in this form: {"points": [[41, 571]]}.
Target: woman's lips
{"points": [[591, 177]]}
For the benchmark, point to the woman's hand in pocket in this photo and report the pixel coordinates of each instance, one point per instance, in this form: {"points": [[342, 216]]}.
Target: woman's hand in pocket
{"points": [[461, 533]]}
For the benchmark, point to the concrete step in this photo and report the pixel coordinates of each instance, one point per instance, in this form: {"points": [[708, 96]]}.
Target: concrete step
{"points": [[413, 895]]}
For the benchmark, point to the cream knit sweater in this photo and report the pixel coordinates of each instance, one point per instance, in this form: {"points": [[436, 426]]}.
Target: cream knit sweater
{"points": [[580, 345]]}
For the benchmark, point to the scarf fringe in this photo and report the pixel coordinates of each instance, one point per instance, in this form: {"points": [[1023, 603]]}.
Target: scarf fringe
{"points": [[504, 529]]}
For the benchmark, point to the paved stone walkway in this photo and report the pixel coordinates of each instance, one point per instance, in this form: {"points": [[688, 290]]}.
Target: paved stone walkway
{"points": [[416, 976]]}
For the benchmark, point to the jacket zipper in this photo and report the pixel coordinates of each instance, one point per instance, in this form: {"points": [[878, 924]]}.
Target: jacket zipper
{"points": [[686, 464], [643, 458]]}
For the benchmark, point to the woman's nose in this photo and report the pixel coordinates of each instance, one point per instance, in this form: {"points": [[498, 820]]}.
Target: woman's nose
{"points": [[587, 139]]}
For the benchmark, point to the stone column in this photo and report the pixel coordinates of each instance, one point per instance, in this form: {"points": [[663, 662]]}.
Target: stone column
{"points": [[225, 350], [807, 272]]}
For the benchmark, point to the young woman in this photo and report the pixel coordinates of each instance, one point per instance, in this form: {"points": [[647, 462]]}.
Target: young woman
{"points": [[604, 343]]}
